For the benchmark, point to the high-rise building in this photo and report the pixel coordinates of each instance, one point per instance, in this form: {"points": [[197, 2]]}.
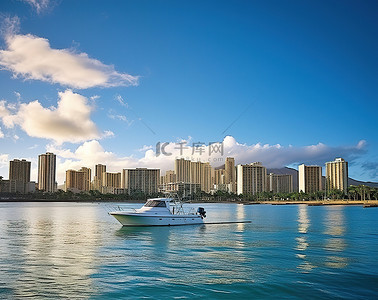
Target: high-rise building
{"points": [[19, 176], [337, 175], [47, 172], [201, 173], [207, 180], [74, 181], [251, 179], [97, 179], [78, 181], [19, 170], [111, 180], [183, 189], [219, 176], [141, 180], [169, 177], [194, 172], [309, 178], [230, 173], [182, 170], [280, 183], [87, 178]]}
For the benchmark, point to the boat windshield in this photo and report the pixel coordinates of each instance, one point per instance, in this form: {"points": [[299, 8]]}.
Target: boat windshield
{"points": [[155, 203]]}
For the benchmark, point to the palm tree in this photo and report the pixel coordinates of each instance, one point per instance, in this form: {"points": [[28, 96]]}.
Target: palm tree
{"points": [[352, 190]]}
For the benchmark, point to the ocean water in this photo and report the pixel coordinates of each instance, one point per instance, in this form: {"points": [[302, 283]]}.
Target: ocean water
{"points": [[77, 251]]}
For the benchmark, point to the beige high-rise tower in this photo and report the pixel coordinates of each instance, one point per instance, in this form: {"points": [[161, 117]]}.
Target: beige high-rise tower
{"points": [[280, 183], [309, 178], [141, 180], [97, 179], [74, 181], [182, 170], [19, 170], [78, 181], [251, 178], [337, 175], [87, 178], [230, 173], [47, 172]]}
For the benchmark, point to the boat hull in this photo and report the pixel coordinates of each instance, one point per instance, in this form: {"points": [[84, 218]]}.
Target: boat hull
{"points": [[140, 220]]}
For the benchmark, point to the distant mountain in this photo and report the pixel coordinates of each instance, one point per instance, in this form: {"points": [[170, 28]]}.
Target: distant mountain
{"points": [[352, 181]]}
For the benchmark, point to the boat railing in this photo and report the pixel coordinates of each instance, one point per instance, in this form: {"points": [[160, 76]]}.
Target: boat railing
{"points": [[178, 209], [111, 208]]}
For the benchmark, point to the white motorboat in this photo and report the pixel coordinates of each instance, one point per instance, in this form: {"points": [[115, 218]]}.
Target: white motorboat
{"points": [[160, 212]]}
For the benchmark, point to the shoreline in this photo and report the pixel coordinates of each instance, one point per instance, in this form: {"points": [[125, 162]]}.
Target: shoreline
{"points": [[365, 203]]}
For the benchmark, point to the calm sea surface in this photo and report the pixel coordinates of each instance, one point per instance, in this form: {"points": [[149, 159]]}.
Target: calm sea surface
{"points": [[76, 250]]}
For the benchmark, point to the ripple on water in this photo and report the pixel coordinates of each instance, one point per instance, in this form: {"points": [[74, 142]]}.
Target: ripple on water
{"points": [[71, 250]]}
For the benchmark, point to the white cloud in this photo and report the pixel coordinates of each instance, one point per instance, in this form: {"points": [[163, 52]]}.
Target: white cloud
{"points": [[38, 5], [145, 148], [121, 101], [33, 147], [108, 134], [31, 57], [68, 122], [18, 95], [3, 109], [4, 160], [1, 134], [94, 97], [122, 118], [272, 156]]}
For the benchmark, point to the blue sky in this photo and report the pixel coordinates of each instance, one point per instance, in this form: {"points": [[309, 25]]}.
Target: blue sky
{"points": [[298, 74]]}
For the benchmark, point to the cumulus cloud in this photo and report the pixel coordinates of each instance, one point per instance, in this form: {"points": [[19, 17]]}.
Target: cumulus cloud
{"points": [[68, 122], [275, 156], [272, 156], [31, 57]]}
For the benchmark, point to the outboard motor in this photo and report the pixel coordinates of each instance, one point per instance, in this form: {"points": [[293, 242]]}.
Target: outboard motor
{"points": [[201, 211]]}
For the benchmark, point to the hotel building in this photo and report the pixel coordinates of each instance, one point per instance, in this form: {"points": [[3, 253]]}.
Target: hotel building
{"points": [[97, 179], [309, 178], [110, 182], [251, 179], [182, 170], [47, 172], [19, 170], [19, 177], [169, 177], [337, 175], [141, 179], [230, 173], [219, 176], [78, 181], [280, 183]]}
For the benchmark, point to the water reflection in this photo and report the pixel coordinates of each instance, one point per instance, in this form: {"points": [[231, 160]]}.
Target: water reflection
{"points": [[334, 228], [302, 242], [240, 215], [157, 238], [52, 254]]}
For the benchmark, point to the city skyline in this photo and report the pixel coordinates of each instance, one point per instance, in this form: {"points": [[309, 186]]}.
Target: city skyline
{"points": [[250, 178], [280, 84]]}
